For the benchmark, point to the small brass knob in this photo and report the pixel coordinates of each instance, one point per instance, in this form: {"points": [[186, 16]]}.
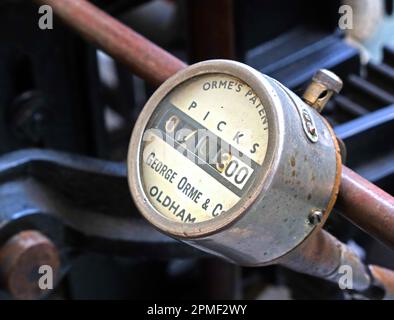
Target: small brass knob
{"points": [[322, 87]]}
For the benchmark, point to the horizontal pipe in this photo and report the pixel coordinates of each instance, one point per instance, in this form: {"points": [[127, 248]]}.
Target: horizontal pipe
{"points": [[140, 55], [367, 206]]}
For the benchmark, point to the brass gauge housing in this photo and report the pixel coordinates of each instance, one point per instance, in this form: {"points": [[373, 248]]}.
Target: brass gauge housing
{"points": [[232, 162]]}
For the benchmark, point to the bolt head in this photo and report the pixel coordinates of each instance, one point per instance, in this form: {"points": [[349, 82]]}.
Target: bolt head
{"points": [[328, 79], [315, 217]]}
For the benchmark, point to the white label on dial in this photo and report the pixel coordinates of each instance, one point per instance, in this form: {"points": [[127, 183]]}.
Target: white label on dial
{"points": [[178, 188], [203, 148]]}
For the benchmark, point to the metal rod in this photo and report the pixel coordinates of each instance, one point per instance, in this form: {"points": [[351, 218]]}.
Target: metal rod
{"points": [[360, 201], [367, 206], [325, 257], [140, 55], [322, 256]]}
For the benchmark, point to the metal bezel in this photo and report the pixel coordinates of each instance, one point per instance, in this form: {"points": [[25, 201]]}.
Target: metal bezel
{"points": [[273, 109]]}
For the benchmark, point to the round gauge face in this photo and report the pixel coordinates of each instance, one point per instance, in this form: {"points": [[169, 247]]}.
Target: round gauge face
{"points": [[203, 148]]}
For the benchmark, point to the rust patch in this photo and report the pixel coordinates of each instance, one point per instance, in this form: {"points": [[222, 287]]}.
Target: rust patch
{"points": [[293, 173], [292, 161]]}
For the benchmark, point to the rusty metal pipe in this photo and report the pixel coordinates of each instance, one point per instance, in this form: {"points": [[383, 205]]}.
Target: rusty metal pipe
{"points": [[367, 206], [325, 257], [140, 55], [322, 256]]}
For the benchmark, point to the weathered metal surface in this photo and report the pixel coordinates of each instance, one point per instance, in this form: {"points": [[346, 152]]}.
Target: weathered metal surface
{"points": [[325, 257], [20, 260], [295, 178], [322, 255], [367, 206], [141, 56]]}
